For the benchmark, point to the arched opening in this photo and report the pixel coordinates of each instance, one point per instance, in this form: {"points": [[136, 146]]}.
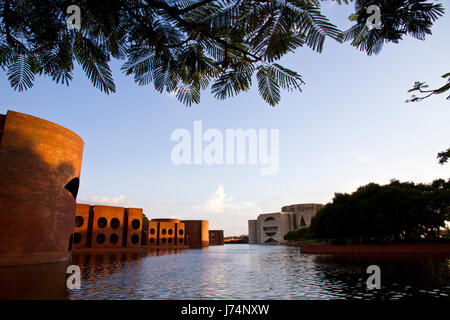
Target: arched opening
{"points": [[115, 223], [135, 224], [101, 238], [271, 240], [79, 221], [302, 222], [102, 222], [269, 219], [134, 239], [114, 238], [72, 186], [77, 237]]}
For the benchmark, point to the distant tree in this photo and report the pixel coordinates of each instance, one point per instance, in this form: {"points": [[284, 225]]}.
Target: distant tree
{"points": [[297, 234], [393, 212], [183, 47]]}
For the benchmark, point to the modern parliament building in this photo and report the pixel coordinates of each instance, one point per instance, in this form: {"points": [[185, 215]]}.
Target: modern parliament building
{"points": [[270, 228]]}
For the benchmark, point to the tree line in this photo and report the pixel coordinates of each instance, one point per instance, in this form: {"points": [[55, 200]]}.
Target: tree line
{"points": [[395, 212]]}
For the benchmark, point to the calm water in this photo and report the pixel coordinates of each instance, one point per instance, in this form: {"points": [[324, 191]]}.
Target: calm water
{"points": [[236, 271]]}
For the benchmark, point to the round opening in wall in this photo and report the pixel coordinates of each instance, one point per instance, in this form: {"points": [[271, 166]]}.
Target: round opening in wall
{"points": [[135, 224], [101, 238], [152, 231], [115, 223], [164, 231], [180, 240], [114, 238], [163, 240], [134, 239], [170, 240], [181, 232], [152, 240], [77, 237], [102, 222], [170, 231], [79, 221]]}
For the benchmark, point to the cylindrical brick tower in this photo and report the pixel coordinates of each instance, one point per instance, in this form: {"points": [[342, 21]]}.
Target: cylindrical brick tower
{"points": [[40, 165]]}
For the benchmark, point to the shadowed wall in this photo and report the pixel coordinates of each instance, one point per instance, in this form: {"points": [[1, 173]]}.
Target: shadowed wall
{"points": [[40, 165]]}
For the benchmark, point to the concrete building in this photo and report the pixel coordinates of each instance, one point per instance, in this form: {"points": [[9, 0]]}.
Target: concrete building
{"points": [[167, 233], [216, 238], [270, 228], [197, 233], [40, 165], [109, 228]]}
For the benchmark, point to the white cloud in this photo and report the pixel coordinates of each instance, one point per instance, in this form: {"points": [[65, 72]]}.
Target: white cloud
{"points": [[105, 200], [221, 210]]}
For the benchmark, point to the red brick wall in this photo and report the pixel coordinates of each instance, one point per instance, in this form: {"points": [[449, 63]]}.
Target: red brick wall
{"points": [[81, 232], [134, 220], [197, 234], [37, 214], [107, 233], [216, 237]]}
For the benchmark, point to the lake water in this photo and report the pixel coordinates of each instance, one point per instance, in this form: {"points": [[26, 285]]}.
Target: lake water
{"points": [[237, 271]]}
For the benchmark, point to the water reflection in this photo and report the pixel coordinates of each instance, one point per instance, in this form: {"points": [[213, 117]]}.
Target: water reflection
{"points": [[237, 271], [30, 282]]}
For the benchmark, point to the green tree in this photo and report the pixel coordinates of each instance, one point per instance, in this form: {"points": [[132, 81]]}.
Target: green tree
{"points": [[184, 47], [392, 212]]}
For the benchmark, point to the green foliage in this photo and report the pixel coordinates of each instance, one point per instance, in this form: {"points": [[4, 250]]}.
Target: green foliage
{"points": [[422, 87], [298, 234], [444, 156], [398, 19], [397, 211], [184, 47]]}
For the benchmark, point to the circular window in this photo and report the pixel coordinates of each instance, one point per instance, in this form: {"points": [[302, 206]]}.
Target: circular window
{"points": [[164, 231], [134, 239], [170, 240], [152, 231], [180, 240], [163, 240], [181, 232], [115, 223], [135, 224], [79, 221], [152, 240], [113, 238], [170, 231], [102, 222], [77, 237], [100, 238]]}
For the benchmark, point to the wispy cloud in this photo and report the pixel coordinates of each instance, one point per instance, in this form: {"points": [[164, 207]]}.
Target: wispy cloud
{"points": [[119, 200]]}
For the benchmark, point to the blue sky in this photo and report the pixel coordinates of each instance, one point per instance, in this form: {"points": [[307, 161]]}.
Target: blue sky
{"points": [[349, 126]]}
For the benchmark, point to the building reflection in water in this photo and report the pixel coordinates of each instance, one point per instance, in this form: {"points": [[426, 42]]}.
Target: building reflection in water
{"points": [[30, 282], [402, 275]]}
